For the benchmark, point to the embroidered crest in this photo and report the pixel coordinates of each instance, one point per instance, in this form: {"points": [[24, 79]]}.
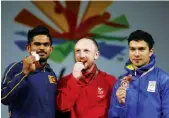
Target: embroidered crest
{"points": [[151, 86], [52, 79], [100, 92]]}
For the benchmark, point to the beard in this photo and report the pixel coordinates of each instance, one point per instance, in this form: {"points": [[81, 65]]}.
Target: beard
{"points": [[88, 67], [43, 60]]}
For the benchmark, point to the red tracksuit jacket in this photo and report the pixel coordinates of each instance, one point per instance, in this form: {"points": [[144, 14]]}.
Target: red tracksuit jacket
{"points": [[87, 98]]}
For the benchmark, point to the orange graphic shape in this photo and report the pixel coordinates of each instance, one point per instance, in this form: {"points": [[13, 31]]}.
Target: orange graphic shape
{"points": [[48, 8], [27, 18], [95, 8]]}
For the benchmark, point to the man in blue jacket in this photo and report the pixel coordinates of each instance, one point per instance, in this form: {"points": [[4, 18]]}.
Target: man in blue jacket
{"points": [[29, 86], [143, 92]]}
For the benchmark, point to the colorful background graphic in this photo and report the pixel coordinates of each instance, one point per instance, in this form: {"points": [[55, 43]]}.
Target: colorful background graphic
{"points": [[108, 22], [95, 22]]}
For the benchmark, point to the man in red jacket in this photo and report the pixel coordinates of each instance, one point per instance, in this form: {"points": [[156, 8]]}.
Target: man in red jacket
{"points": [[86, 91]]}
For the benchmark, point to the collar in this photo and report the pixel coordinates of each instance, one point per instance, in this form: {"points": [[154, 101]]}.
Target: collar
{"points": [[129, 68], [45, 68], [88, 77], [90, 74]]}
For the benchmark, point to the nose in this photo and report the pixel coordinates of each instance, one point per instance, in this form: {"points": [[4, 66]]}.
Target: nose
{"points": [[137, 53], [42, 47], [82, 54]]}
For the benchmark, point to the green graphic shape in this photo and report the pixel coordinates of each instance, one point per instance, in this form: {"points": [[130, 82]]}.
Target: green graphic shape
{"points": [[101, 29], [60, 52], [108, 38]]}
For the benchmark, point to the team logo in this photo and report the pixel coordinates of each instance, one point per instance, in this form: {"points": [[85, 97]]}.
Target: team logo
{"points": [[100, 92], [52, 79]]}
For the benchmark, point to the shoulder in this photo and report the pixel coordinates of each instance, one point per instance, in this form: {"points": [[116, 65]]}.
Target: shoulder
{"points": [[14, 67], [161, 75], [161, 72], [163, 80], [111, 79], [64, 78], [67, 76], [11, 70]]}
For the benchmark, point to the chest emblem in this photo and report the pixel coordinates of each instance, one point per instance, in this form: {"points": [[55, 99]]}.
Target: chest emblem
{"points": [[52, 79], [151, 86], [100, 92]]}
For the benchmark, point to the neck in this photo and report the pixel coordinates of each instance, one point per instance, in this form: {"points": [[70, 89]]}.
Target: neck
{"points": [[90, 69], [43, 63]]}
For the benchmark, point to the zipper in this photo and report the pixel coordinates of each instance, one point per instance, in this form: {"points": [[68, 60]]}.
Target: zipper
{"points": [[138, 97], [139, 87]]}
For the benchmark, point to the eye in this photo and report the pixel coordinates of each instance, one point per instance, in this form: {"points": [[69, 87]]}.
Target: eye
{"points": [[77, 51], [37, 43], [86, 50], [142, 49], [132, 49], [46, 44]]}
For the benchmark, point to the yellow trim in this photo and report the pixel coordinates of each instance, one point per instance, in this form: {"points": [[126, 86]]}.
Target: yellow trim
{"points": [[14, 87], [9, 71], [130, 67], [3, 88], [18, 74], [11, 81]]}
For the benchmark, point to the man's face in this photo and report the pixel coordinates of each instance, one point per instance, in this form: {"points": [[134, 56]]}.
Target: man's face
{"points": [[86, 52], [41, 45], [139, 53]]}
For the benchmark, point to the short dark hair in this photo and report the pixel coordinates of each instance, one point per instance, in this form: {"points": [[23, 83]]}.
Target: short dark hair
{"points": [[39, 30], [141, 35], [92, 39]]}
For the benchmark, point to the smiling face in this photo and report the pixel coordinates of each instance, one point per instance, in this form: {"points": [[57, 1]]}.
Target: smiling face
{"points": [[86, 51], [139, 53], [41, 45]]}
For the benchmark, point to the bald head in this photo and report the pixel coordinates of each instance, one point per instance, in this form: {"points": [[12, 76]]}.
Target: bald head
{"points": [[88, 41]]}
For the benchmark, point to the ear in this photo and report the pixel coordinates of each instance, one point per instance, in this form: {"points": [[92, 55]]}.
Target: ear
{"points": [[97, 54], [28, 48], [151, 52]]}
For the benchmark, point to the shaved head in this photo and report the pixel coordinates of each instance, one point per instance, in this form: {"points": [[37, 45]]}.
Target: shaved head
{"points": [[93, 41]]}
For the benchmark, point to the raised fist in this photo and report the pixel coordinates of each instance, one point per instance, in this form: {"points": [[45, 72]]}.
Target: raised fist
{"points": [[77, 70], [28, 64]]}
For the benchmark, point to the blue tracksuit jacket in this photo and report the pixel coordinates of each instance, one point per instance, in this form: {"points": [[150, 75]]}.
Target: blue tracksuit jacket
{"points": [[147, 94], [31, 96]]}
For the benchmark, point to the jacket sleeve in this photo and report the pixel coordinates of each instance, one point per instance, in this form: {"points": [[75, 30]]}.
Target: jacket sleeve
{"points": [[12, 83], [165, 96], [116, 110], [67, 92]]}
